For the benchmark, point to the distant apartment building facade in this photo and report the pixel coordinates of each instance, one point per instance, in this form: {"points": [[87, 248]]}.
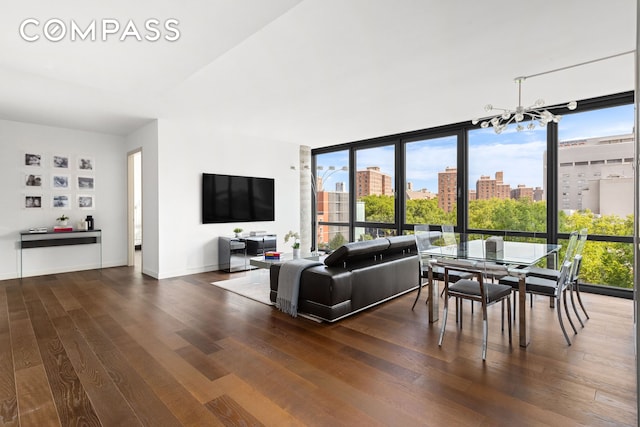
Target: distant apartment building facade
{"points": [[486, 188], [373, 182], [421, 194], [447, 188], [596, 174], [332, 206]]}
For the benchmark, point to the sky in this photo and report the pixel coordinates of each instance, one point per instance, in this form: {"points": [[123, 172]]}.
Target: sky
{"points": [[518, 154]]}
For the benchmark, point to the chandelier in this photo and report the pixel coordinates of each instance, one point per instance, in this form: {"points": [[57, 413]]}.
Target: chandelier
{"points": [[535, 113]]}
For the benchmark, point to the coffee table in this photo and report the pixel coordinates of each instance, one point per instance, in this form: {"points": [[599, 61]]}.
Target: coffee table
{"points": [[261, 262]]}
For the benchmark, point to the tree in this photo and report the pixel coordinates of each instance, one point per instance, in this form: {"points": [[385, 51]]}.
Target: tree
{"points": [[337, 241]]}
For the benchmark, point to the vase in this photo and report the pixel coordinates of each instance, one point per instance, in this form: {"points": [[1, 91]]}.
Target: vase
{"points": [[296, 253]]}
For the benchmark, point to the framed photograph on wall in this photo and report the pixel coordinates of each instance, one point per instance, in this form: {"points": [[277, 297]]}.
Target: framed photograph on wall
{"points": [[32, 180], [86, 164], [61, 201], [32, 201], [32, 159], [60, 182], [60, 161], [86, 201], [86, 183]]}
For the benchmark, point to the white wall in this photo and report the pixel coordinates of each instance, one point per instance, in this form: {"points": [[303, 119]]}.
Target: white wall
{"points": [[110, 200], [146, 139], [187, 147]]}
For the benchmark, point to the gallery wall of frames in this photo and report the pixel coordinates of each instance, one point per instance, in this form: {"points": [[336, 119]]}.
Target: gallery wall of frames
{"points": [[58, 181]]}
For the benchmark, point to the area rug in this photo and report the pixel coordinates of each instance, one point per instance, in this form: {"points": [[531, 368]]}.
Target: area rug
{"points": [[253, 285]]}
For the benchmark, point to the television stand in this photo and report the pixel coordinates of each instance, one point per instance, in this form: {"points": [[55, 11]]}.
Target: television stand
{"points": [[234, 253]]}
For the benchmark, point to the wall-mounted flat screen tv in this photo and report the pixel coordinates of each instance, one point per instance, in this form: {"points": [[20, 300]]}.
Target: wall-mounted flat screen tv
{"points": [[230, 198]]}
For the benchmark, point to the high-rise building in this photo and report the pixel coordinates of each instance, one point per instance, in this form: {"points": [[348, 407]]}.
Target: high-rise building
{"points": [[487, 188], [522, 192], [596, 174], [447, 188], [373, 181]]}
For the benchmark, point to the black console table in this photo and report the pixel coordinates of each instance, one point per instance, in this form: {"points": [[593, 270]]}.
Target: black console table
{"points": [[29, 239], [234, 252]]}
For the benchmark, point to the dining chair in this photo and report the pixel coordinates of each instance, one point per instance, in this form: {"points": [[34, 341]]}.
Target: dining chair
{"points": [[577, 241], [575, 285], [551, 288], [424, 242], [476, 290], [552, 273]]}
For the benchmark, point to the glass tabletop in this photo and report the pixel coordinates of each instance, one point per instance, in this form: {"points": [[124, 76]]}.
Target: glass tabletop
{"points": [[478, 249]]}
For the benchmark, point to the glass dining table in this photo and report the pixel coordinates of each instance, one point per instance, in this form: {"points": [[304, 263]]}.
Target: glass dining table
{"points": [[515, 256]]}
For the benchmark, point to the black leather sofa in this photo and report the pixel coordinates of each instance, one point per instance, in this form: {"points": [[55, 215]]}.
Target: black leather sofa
{"points": [[356, 276]]}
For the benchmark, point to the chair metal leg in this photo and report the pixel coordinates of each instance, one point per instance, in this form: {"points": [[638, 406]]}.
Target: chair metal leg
{"points": [[444, 321], [509, 317], [566, 310], [580, 300], [573, 304], [417, 296], [485, 331], [566, 337], [502, 315]]}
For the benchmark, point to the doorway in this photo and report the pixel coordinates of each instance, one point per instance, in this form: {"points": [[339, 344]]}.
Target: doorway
{"points": [[134, 209]]}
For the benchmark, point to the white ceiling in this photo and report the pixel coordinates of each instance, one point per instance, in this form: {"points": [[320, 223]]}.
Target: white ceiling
{"points": [[314, 72]]}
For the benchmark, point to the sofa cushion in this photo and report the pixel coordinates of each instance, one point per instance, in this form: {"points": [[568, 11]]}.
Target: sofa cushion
{"points": [[356, 251], [399, 245]]}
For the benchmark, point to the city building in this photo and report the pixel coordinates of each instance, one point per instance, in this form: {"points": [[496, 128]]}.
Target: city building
{"points": [[423, 193], [447, 188], [596, 174], [373, 181], [487, 188]]}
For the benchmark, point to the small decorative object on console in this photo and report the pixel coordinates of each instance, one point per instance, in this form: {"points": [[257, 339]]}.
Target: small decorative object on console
{"points": [[90, 223], [296, 242], [272, 255], [62, 220], [238, 231]]}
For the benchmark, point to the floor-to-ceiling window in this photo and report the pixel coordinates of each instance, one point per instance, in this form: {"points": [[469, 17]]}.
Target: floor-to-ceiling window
{"points": [[375, 210], [595, 189], [491, 183], [506, 177], [331, 185], [430, 187]]}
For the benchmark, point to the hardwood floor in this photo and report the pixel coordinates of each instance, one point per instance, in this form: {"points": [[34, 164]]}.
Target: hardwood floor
{"points": [[114, 348]]}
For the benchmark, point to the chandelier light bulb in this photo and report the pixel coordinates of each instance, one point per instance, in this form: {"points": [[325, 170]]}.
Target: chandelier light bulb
{"points": [[533, 114]]}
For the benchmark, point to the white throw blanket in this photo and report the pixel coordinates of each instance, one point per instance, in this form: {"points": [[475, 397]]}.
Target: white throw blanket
{"points": [[289, 284]]}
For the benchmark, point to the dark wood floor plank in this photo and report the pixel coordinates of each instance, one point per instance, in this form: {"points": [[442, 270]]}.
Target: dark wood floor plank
{"points": [[23, 339], [35, 400], [72, 403], [182, 403], [8, 398], [205, 365], [148, 407], [200, 341], [230, 413], [180, 350], [110, 406]]}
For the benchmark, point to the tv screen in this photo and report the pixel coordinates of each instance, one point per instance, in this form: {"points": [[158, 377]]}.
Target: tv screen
{"points": [[230, 198]]}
